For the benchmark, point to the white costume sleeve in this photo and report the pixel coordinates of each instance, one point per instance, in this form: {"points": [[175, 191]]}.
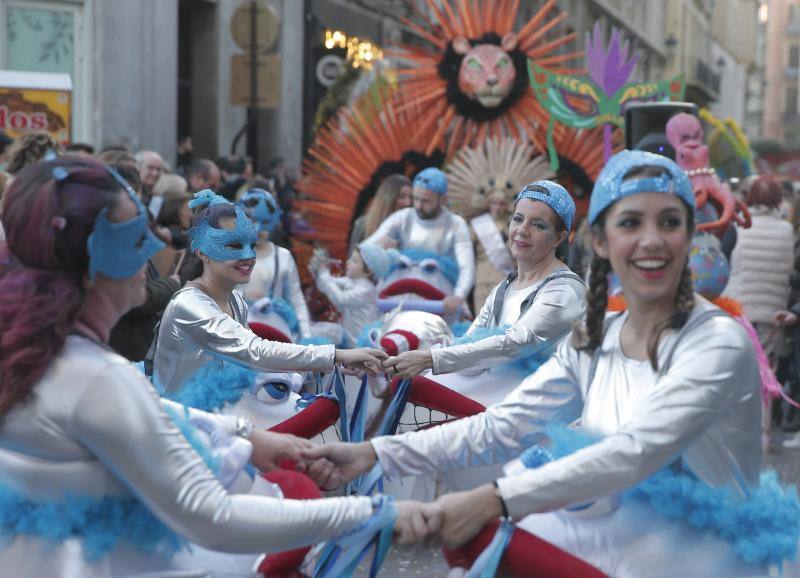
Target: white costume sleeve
{"points": [[465, 257], [120, 419], [496, 435], [225, 337], [550, 317], [390, 228], [713, 374], [342, 291]]}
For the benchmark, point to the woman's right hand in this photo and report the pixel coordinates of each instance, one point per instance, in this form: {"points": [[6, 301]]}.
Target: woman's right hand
{"points": [[349, 460], [363, 359]]}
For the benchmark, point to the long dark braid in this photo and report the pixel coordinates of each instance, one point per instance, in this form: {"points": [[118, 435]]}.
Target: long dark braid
{"points": [[589, 335], [684, 303]]}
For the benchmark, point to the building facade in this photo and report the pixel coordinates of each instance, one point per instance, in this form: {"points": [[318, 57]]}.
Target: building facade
{"points": [[781, 105]]}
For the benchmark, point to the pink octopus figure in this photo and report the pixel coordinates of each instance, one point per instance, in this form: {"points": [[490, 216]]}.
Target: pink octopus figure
{"points": [[685, 134]]}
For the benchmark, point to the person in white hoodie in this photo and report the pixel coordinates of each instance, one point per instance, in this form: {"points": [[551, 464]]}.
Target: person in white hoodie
{"points": [[356, 295]]}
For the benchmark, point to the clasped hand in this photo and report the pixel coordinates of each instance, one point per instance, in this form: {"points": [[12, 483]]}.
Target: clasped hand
{"points": [[408, 364], [454, 518]]}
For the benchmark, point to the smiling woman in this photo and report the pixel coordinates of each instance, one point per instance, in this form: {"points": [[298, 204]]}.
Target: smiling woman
{"points": [[206, 321]]}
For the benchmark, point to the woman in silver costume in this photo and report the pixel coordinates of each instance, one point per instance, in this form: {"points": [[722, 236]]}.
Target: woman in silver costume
{"points": [[669, 388], [538, 304], [206, 321], [96, 480]]}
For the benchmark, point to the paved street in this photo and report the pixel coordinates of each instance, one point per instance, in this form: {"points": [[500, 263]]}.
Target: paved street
{"points": [[428, 561]]}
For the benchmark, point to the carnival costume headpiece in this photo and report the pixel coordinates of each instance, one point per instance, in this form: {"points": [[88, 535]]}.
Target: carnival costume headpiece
{"points": [[118, 250], [265, 211], [611, 185], [221, 244], [554, 196], [378, 260], [431, 179]]}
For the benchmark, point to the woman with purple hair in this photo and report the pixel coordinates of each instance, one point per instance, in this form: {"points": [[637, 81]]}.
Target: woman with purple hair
{"points": [[98, 476]]}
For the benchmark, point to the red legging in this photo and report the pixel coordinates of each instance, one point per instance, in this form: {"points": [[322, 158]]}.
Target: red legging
{"points": [[295, 486], [526, 556]]}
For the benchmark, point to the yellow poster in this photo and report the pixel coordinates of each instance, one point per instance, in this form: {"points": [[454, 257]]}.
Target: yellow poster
{"points": [[24, 110]]}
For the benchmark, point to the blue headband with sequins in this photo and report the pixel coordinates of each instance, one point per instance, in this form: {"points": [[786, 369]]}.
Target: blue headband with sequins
{"points": [[611, 185], [554, 196]]}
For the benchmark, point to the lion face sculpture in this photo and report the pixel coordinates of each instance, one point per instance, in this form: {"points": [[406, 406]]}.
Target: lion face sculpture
{"points": [[487, 71]]}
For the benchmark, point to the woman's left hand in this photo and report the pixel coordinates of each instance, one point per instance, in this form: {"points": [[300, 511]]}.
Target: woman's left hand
{"points": [[466, 513], [408, 364]]}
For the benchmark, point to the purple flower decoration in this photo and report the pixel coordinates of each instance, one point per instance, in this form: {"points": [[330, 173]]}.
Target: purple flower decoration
{"points": [[610, 68]]}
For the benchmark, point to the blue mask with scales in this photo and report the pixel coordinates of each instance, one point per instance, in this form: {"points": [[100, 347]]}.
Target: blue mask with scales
{"points": [[262, 208], [118, 250], [223, 244]]}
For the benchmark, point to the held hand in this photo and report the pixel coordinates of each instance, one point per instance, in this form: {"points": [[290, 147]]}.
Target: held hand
{"points": [[451, 304], [785, 318], [270, 448], [364, 359], [466, 513], [408, 364], [416, 521], [349, 461]]}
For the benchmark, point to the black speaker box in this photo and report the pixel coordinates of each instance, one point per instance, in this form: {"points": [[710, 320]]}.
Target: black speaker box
{"points": [[645, 125]]}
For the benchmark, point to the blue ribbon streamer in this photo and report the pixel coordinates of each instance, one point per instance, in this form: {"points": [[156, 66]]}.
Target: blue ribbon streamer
{"points": [[485, 566], [395, 410], [341, 557]]}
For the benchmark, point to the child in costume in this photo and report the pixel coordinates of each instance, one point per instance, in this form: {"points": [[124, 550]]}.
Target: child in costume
{"points": [[662, 478], [355, 295], [98, 476], [275, 272]]}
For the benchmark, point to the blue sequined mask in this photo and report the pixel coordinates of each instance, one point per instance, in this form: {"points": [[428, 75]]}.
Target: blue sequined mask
{"points": [[118, 250], [262, 208], [226, 244]]}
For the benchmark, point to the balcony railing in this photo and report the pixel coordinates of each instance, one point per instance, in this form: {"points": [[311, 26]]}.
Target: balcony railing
{"points": [[707, 78]]}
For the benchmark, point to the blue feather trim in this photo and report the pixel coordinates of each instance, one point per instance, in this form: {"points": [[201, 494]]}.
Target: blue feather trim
{"points": [[285, 310], [214, 385], [764, 528], [531, 358], [101, 523]]}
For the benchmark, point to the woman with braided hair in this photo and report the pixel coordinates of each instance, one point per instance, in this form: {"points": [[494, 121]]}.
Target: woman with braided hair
{"points": [[656, 474]]}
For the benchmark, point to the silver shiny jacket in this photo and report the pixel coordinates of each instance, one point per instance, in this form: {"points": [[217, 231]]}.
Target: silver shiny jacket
{"points": [[194, 331], [264, 282], [95, 427], [703, 412], [447, 234], [555, 309]]}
